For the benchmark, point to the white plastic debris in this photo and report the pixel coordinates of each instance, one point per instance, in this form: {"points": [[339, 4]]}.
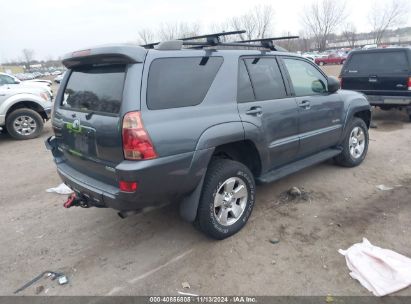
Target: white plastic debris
{"points": [[384, 188], [381, 271], [60, 189]]}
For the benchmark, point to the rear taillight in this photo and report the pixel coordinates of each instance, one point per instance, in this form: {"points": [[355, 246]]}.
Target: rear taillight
{"points": [[137, 144], [409, 84]]}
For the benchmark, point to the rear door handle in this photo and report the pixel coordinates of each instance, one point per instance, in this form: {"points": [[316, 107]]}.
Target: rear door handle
{"points": [[255, 111], [305, 104]]}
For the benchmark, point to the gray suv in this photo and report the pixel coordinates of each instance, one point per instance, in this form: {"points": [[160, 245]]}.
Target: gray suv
{"points": [[135, 127]]}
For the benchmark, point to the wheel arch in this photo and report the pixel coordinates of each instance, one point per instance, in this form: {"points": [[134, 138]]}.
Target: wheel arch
{"points": [[27, 104]]}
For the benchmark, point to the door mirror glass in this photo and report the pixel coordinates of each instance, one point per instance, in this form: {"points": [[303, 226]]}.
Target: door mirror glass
{"points": [[318, 86], [333, 84]]}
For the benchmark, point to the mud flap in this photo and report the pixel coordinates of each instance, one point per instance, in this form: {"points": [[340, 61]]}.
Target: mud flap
{"points": [[189, 205]]}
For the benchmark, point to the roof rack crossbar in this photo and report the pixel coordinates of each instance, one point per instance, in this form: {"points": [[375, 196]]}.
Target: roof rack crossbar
{"points": [[271, 39], [212, 39]]}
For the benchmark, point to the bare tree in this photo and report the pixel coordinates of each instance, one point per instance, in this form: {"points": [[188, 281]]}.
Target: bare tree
{"points": [[146, 36], [169, 31], [350, 34], [383, 17], [322, 18], [28, 55], [257, 23]]}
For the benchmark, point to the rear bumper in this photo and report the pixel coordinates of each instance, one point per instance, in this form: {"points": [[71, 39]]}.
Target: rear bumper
{"points": [[159, 180], [378, 100]]}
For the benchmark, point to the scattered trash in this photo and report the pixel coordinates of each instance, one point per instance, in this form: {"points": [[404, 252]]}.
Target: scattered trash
{"points": [[329, 299], [63, 280], [384, 188], [381, 271], [294, 192], [187, 294], [273, 262], [50, 274], [60, 189], [274, 241], [39, 289], [185, 285]]}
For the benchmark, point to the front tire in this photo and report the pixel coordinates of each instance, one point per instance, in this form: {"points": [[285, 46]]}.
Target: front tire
{"points": [[355, 144], [227, 199], [24, 124]]}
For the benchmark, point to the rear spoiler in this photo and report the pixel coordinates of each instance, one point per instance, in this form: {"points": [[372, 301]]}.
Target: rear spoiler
{"points": [[105, 54]]}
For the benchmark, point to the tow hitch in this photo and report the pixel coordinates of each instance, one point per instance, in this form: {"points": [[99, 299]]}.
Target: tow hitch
{"points": [[74, 201]]}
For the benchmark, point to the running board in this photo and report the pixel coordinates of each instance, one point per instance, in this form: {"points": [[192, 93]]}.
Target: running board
{"points": [[297, 166]]}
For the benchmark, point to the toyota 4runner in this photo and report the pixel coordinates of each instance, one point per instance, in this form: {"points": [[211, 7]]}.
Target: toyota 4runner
{"points": [[136, 127]]}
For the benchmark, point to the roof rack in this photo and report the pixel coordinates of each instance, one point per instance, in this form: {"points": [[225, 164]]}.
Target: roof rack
{"points": [[211, 39], [268, 42], [214, 40]]}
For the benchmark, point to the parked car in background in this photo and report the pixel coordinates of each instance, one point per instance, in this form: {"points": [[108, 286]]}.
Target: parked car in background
{"points": [[23, 108], [198, 127], [59, 78], [331, 59], [384, 75]]}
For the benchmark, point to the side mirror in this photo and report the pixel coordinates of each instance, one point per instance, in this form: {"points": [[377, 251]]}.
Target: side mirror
{"points": [[333, 84]]}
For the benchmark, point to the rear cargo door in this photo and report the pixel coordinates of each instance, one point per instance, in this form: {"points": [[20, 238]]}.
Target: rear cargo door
{"points": [[87, 122], [377, 73]]}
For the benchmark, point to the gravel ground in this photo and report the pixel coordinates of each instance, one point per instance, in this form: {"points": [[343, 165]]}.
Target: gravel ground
{"points": [[153, 253]]}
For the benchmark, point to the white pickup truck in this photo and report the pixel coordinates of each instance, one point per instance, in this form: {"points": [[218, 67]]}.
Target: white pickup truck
{"points": [[23, 108]]}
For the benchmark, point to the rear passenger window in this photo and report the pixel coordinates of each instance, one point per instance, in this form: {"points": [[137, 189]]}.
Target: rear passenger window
{"points": [[381, 62], [180, 82], [266, 78], [244, 89]]}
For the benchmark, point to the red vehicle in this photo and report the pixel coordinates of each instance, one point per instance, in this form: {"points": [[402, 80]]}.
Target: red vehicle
{"points": [[331, 59]]}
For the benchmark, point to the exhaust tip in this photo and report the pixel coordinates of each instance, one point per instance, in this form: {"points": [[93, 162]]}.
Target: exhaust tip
{"points": [[124, 214]]}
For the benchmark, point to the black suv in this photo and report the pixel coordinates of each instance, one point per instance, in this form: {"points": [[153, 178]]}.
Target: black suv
{"points": [[135, 127], [384, 75]]}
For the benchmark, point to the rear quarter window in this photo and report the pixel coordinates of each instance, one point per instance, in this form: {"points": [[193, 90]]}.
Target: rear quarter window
{"points": [[371, 63], [95, 89], [180, 82]]}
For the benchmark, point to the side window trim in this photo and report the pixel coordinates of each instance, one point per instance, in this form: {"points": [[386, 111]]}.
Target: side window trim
{"points": [[289, 77], [249, 77]]}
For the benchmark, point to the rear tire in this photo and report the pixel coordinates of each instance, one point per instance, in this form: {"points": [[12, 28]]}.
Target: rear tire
{"points": [[227, 199], [355, 144], [24, 124]]}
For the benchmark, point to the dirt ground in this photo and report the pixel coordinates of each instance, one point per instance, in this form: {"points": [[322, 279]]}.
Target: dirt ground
{"points": [[153, 253]]}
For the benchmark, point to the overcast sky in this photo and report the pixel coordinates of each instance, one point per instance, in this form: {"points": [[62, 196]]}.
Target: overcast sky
{"points": [[53, 27]]}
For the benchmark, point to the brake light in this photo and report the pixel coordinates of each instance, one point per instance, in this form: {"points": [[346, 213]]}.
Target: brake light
{"points": [[81, 53], [127, 186], [409, 84], [137, 144]]}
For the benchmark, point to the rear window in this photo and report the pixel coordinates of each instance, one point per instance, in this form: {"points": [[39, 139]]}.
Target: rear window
{"points": [[384, 62], [95, 89], [180, 82]]}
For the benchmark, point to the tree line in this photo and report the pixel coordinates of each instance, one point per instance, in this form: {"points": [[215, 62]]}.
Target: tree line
{"points": [[320, 20]]}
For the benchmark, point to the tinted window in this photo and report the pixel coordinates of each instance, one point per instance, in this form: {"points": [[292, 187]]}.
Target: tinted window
{"points": [[244, 90], [95, 89], [266, 78], [306, 79], [386, 62], [4, 79], [180, 82]]}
